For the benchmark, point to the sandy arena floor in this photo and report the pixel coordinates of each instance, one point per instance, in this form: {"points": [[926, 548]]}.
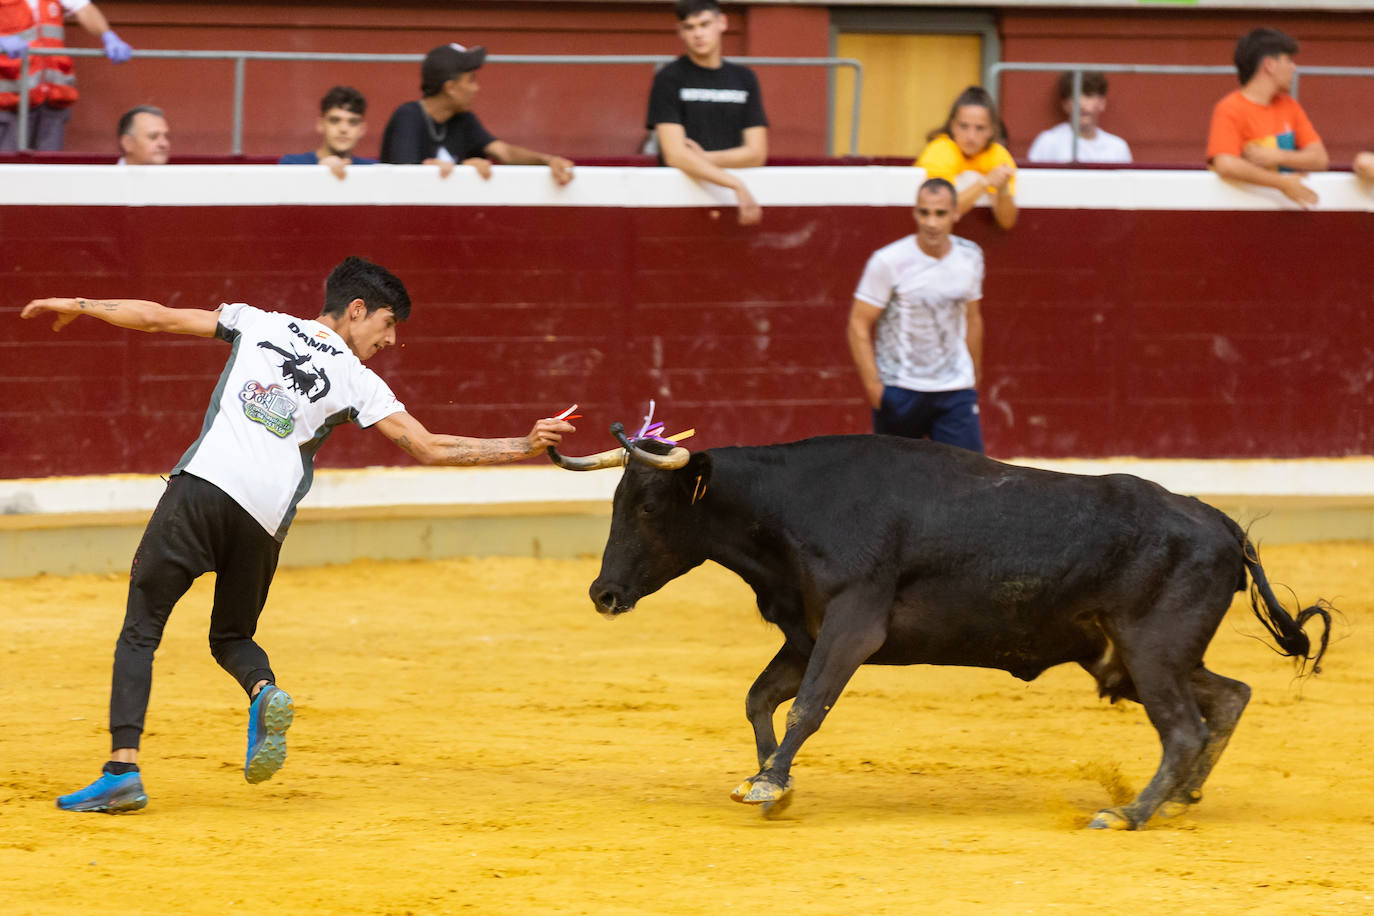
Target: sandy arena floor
{"points": [[472, 738]]}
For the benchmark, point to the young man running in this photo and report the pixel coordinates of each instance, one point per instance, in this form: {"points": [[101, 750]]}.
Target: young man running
{"points": [[232, 496]]}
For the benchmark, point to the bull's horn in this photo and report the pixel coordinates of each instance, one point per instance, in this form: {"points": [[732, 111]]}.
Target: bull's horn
{"points": [[674, 459], [614, 458]]}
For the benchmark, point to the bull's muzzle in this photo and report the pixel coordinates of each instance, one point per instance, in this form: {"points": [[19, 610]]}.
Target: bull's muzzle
{"points": [[609, 600]]}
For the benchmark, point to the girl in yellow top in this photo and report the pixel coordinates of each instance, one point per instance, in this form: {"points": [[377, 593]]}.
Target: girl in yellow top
{"points": [[968, 143]]}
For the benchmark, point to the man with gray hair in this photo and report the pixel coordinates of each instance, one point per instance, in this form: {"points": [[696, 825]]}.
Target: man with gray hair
{"points": [[144, 137]]}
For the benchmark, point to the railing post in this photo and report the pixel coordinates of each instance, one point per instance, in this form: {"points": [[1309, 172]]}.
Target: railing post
{"points": [[1074, 113], [22, 133], [240, 65], [854, 116]]}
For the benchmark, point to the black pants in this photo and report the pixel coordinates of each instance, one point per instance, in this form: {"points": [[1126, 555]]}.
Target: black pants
{"points": [[196, 528]]}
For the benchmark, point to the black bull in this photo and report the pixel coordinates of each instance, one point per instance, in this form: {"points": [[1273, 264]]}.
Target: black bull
{"points": [[877, 550]]}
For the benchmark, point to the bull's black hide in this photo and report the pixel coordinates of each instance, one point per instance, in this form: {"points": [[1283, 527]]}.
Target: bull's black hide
{"points": [[878, 550]]}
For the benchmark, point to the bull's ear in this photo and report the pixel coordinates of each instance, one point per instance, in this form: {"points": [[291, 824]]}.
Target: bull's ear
{"points": [[694, 476]]}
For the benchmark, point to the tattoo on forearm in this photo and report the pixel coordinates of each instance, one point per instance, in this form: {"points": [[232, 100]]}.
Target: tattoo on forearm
{"points": [[485, 451], [404, 442]]}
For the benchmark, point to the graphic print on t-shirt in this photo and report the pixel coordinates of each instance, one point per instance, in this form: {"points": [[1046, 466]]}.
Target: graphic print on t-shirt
{"points": [[270, 406], [313, 385]]}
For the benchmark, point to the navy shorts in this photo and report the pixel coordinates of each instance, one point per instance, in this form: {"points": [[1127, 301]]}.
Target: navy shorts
{"points": [[944, 416]]}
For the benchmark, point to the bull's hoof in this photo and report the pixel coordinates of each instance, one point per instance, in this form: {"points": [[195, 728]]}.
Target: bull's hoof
{"points": [[1111, 819], [760, 791]]}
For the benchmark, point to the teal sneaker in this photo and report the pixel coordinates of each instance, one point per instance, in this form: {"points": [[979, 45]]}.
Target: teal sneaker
{"points": [[109, 794], [268, 719]]}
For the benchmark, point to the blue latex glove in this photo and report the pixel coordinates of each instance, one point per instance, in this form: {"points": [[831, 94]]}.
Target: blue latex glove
{"points": [[12, 45], [116, 48]]}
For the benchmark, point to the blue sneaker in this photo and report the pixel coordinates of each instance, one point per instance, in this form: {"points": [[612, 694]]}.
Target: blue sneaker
{"points": [[110, 794], [268, 719]]}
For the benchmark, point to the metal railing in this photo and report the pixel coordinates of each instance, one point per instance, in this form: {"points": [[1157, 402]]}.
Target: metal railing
{"points": [[241, 58], [994, 74]]}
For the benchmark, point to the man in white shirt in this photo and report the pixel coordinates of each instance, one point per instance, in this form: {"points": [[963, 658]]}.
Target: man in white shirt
{"points": [[1094, 143], [230, 499], [916, 328]]}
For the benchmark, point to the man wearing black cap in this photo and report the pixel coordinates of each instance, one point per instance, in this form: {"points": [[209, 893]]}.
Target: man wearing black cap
{"points": [[440, 128]]}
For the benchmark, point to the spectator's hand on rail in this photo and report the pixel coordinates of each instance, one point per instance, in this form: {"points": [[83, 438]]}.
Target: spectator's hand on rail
{"points": [[998, 178], [336, 165], [1299, 193], [12, 45], [116, 48], [562, 170], [445, 166], [750, 213], [483, 166]]}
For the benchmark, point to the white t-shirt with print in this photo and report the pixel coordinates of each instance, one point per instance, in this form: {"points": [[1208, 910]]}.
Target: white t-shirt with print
{"points": [[1056, 145], [287, 384], [920, 339]]}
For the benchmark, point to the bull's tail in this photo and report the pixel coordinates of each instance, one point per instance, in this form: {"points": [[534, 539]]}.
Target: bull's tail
{"points": [[1287, 632]]}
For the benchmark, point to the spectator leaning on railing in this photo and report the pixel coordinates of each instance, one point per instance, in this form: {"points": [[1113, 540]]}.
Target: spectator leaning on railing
{"points": [[1094, 143], [440, 128], [1260, 133], [341, 126], [965, 152], [49, 81], [707, 113]]}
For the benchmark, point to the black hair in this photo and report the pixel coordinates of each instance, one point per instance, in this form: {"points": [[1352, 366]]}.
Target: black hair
{"points": [[345, 97], [1257, 44], [939, 184], [356, 278], [688, 8], [1094, 83], [973, 95], [126, 120]]}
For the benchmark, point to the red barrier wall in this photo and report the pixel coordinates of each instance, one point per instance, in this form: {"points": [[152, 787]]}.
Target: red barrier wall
{"points": [[1109, 332]]}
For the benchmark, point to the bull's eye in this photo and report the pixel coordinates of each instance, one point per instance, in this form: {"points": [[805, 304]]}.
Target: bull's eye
{"points": [[647, 509]]}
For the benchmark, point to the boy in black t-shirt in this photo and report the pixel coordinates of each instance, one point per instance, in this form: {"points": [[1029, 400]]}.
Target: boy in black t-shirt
{"points": [[440, 128], [707, 113]]}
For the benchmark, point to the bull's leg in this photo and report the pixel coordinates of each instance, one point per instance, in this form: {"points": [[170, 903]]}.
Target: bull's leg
{"points": [[777, 684], [854, 628], [1221, 700], [1169, 702]]}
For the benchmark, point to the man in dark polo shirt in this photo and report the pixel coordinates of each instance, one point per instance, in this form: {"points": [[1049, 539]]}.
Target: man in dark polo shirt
{"points": [[707, 113], [440, 128]]}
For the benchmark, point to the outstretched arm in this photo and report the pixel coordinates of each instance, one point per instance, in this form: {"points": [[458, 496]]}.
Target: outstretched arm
{"points": [[433, 448], [135, 314], [510, 154]]}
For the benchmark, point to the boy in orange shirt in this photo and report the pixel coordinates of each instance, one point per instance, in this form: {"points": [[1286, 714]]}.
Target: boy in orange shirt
{"points": [[1260, 133]]}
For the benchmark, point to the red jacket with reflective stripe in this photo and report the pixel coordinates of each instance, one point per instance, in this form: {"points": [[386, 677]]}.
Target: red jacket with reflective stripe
{"points": [[49, 80]]}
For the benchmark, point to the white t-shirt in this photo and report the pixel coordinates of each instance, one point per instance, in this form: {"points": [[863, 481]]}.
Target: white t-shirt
{"points": [[1056, 145], [69, 7], [920, 338], [287, 384]]}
